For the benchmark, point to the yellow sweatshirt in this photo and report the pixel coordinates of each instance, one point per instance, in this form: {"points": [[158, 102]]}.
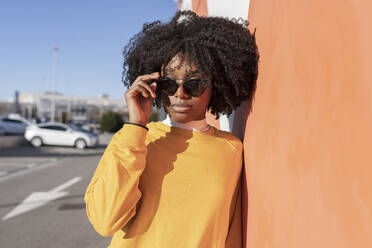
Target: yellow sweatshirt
{"points": [[168, 187]]}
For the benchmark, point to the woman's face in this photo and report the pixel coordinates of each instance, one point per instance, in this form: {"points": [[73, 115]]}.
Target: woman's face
{"points": [[181, 106]]}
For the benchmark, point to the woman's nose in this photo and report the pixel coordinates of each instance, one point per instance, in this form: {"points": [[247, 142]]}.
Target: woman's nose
{"points": [[181, 93]]}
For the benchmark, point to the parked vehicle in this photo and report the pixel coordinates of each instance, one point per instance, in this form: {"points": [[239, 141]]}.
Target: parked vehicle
{"points": [[13, 124], [81, 128], [90, 126], [55, 133]]}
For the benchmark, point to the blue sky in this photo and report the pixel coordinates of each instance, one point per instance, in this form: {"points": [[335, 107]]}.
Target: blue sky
{"points": [[90, 36]]}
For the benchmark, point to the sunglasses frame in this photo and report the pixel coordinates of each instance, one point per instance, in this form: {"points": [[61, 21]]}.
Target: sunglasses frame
{"points": [[189, 91]]}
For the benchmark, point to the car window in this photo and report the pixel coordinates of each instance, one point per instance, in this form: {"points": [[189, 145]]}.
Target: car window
{"points": [[47, 127], [74, 127], [12, 121], [59, 128]]}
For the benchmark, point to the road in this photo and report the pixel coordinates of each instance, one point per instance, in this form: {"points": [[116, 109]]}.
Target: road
{"points": [[52, 181]]}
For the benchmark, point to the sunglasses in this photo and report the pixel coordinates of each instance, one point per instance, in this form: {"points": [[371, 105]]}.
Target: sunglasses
{"points": [[192, 87]]}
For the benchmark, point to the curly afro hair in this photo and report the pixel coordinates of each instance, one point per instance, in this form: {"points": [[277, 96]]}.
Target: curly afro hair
{"points": [[223, 50]]}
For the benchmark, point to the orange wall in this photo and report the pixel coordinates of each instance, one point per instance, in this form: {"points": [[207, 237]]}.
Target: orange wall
{"points": [[308, 143], [200, 7]]}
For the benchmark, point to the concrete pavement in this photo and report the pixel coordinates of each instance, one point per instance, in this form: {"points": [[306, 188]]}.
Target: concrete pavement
{"points": [[57, 223]]}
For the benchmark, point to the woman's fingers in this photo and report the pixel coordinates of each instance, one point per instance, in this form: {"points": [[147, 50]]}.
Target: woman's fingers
{"points": [[147, 88], [142, 90], [147, 77], [142, 82], [153, 87], [139, 98], [137, 90]]}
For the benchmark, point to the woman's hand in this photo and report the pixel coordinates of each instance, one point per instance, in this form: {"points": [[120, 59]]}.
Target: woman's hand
{"points": [[139, 98]]}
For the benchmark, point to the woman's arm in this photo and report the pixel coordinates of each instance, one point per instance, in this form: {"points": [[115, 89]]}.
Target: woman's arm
{"points": [[113, 192]]}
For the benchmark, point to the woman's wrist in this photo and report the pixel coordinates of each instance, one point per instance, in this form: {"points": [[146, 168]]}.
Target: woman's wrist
{"points": [[137, 124], [137, 120]]}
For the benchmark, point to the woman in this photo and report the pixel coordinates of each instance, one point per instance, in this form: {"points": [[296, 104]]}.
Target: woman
{"points": [[176, 183]]}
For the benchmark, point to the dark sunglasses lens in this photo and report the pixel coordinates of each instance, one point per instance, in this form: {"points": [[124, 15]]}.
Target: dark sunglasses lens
{"points": [[194, 87], [191, 87], [168, 86]]}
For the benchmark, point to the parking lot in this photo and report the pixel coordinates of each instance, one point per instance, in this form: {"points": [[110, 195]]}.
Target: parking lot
{"points": [[42, 192]]}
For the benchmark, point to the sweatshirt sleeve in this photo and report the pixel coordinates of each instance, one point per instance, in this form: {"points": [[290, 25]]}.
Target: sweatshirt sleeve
{"points": [[113, 192], [234, 237]]}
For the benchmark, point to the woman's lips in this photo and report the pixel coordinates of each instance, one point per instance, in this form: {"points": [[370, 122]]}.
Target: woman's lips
{"points": [[181, 107]]}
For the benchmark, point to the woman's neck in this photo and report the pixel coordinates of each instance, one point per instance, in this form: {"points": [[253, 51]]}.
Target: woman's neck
{"points": [[200, 125]]}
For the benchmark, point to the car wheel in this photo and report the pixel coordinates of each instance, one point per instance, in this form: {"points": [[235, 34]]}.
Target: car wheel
{"points": [[36, 141], [80, 144]]}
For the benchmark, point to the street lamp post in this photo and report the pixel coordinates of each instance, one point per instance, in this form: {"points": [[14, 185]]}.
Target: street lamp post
{"points": [[54, 72]]}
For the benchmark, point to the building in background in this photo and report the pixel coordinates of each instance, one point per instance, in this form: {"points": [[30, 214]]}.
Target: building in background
{"points": [[68, 108]]}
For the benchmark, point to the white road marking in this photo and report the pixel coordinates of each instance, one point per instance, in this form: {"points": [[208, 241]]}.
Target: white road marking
{"points": [[38, 199], [2, 173], [66, 184], [31, 167]]}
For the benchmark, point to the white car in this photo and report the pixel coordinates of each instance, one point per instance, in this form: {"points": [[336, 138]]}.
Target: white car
{"points": [[54, 133], [13, 124]]}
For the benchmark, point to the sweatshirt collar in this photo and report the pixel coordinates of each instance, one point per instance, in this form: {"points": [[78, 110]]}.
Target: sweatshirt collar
{"points": [[200, 125]]}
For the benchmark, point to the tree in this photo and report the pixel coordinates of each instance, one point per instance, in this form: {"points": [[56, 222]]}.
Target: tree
{"points": [[111, 122], [64, 117], [154, 116]]}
